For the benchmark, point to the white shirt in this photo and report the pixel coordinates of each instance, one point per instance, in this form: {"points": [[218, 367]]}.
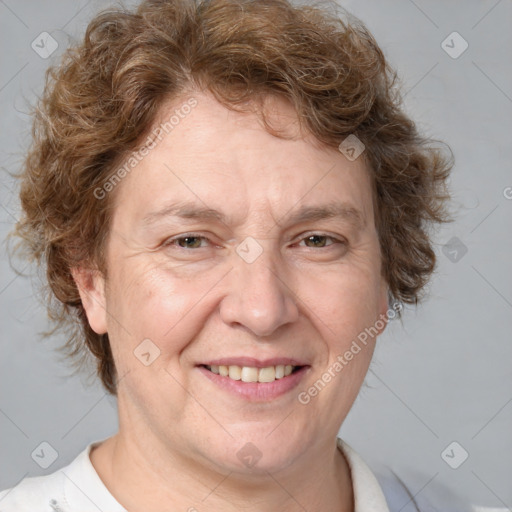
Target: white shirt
{"points": [[78, 488]]}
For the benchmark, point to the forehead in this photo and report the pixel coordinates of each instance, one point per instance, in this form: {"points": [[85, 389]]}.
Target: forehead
{"points": [[226, 160]]}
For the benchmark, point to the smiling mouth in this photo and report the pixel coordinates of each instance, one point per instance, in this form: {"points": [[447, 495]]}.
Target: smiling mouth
{"points": [[253, 374]]}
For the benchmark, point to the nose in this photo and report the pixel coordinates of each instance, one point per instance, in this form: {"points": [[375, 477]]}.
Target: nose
{"points": [[258, 297]]}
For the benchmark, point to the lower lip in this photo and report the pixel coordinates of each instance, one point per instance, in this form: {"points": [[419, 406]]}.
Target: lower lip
{"points": [[257, 391]]}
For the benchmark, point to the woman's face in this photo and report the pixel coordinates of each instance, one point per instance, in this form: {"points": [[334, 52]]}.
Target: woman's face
{"points": [[230, 247]]}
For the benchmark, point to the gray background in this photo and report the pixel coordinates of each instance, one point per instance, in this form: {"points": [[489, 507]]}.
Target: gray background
{"points": [[442, 375]]}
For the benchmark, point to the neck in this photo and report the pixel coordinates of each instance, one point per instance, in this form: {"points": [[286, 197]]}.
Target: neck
{"points": [[145, 477]]}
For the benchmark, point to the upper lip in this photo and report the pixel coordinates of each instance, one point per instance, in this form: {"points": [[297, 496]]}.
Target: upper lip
{"points": [[253, 362]]}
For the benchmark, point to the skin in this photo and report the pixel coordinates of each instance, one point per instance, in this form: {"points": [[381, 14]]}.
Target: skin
{"points": [[304, 298]]}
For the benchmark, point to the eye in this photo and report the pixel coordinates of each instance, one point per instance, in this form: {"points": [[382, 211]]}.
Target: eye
{"points": [[188, 241], [319, 241]]}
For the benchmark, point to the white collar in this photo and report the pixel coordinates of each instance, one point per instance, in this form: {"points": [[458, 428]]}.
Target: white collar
{"points": [[368, 495]]}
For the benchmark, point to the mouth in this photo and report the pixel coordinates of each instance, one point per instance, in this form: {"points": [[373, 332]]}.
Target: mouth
{"points": [[252, 373], [254, 380]]}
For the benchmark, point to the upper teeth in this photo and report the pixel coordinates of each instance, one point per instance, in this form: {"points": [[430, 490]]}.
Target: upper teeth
{"points": [[252, 374]]}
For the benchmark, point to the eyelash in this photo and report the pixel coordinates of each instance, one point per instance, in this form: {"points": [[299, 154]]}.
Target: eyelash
{"points": [[172, 241]]}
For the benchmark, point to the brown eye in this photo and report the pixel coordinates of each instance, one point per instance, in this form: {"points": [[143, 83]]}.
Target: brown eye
{"points": [[189, 242], [317, 240]]}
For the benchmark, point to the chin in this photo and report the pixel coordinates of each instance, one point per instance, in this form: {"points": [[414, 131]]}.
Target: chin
{"points": [[260, 453]]}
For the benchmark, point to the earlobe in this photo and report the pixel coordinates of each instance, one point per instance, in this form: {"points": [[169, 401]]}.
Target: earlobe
{"points": [[91, 286]]}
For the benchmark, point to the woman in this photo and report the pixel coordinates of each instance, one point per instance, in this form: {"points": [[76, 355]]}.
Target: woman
{"points": [[230, 205]]}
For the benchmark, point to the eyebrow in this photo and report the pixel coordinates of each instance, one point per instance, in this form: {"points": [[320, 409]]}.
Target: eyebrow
{"points": [[335, 210], [185, 210], [194, 211]]}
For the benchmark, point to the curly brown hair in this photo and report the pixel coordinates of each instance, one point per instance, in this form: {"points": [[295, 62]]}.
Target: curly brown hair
{"points": [[102, 99]]}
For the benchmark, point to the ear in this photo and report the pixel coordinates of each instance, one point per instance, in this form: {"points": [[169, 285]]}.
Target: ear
{"points": [[91, 286]]}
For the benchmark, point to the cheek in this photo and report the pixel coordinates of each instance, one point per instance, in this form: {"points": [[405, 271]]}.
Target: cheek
{"points": [[345, 305], [153, 304], [344, 300]]}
